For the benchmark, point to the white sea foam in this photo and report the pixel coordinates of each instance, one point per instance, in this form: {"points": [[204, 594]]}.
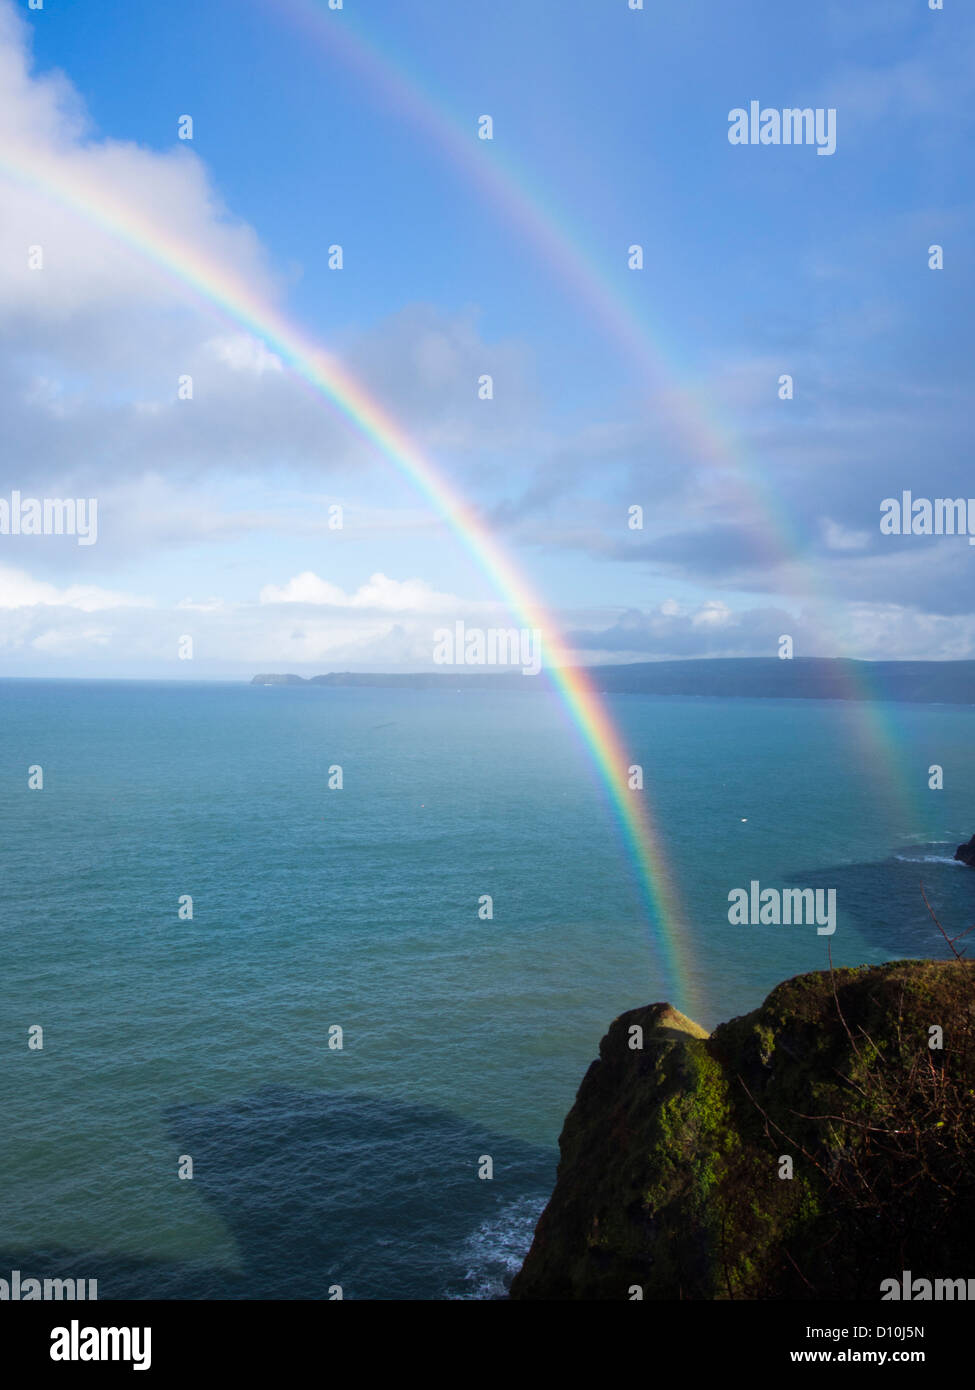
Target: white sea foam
{"points": [[493, 1253]]}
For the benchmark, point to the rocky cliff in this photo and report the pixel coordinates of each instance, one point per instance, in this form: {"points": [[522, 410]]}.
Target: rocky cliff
{"points": [[808, 1150]]}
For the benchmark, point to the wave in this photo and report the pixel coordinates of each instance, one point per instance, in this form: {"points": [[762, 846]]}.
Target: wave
{"points": [[493, 1253], [929, 859]]}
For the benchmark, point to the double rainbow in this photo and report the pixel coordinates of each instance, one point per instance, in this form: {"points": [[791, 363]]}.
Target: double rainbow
{"points": [[512, 193]]}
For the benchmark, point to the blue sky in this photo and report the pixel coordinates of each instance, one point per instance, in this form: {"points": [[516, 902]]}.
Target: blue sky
{"points": [[612, 125]]}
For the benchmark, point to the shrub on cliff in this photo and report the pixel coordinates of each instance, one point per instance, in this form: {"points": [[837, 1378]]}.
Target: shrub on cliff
{"points": [[673, 1176]]}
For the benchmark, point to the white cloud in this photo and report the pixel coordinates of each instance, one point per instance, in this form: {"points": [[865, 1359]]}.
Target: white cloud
{"points": [[92, 345], [61, 642], [836, 536], [713, 614], [379, 594], [84, 201], [19, 590], [306, 622], [245, 354]]}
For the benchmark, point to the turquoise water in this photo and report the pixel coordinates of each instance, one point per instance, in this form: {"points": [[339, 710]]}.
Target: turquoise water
{"points": [[312, 907]]}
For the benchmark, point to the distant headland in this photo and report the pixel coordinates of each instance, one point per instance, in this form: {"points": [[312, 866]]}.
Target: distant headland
{"points": [[803, 678]]}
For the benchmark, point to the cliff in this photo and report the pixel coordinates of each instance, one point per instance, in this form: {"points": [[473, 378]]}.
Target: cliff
{"points": [[673, 1173]]}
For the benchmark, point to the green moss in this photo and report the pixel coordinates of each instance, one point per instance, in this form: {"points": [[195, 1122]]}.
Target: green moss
{"points": [[670, 1156], [766, 1042]]}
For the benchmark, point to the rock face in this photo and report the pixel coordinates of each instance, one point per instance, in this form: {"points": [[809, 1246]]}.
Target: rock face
{"points": [[966, 853], [673, 1175]]}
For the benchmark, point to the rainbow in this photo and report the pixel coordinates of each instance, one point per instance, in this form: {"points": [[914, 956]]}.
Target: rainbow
{"points": [[511, 193], [233, 300]]}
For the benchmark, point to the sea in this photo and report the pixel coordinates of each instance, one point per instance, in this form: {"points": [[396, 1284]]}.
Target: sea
{"points": [[303, 1040]]}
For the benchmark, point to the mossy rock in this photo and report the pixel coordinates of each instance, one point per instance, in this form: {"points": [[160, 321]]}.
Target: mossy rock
{"points": [[672, 1173]]}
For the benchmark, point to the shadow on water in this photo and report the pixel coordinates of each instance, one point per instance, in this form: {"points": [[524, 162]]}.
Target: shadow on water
{"points": [[382, 1197], [344, 1188], [884, 903]]}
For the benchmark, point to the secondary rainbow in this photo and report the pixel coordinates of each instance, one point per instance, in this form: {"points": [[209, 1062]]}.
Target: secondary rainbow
{"points": [[509, 192], [235, 301]]}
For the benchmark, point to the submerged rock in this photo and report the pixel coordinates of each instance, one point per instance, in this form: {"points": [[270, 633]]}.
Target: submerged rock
{"points": [[966, 853], [674, 1174]]}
